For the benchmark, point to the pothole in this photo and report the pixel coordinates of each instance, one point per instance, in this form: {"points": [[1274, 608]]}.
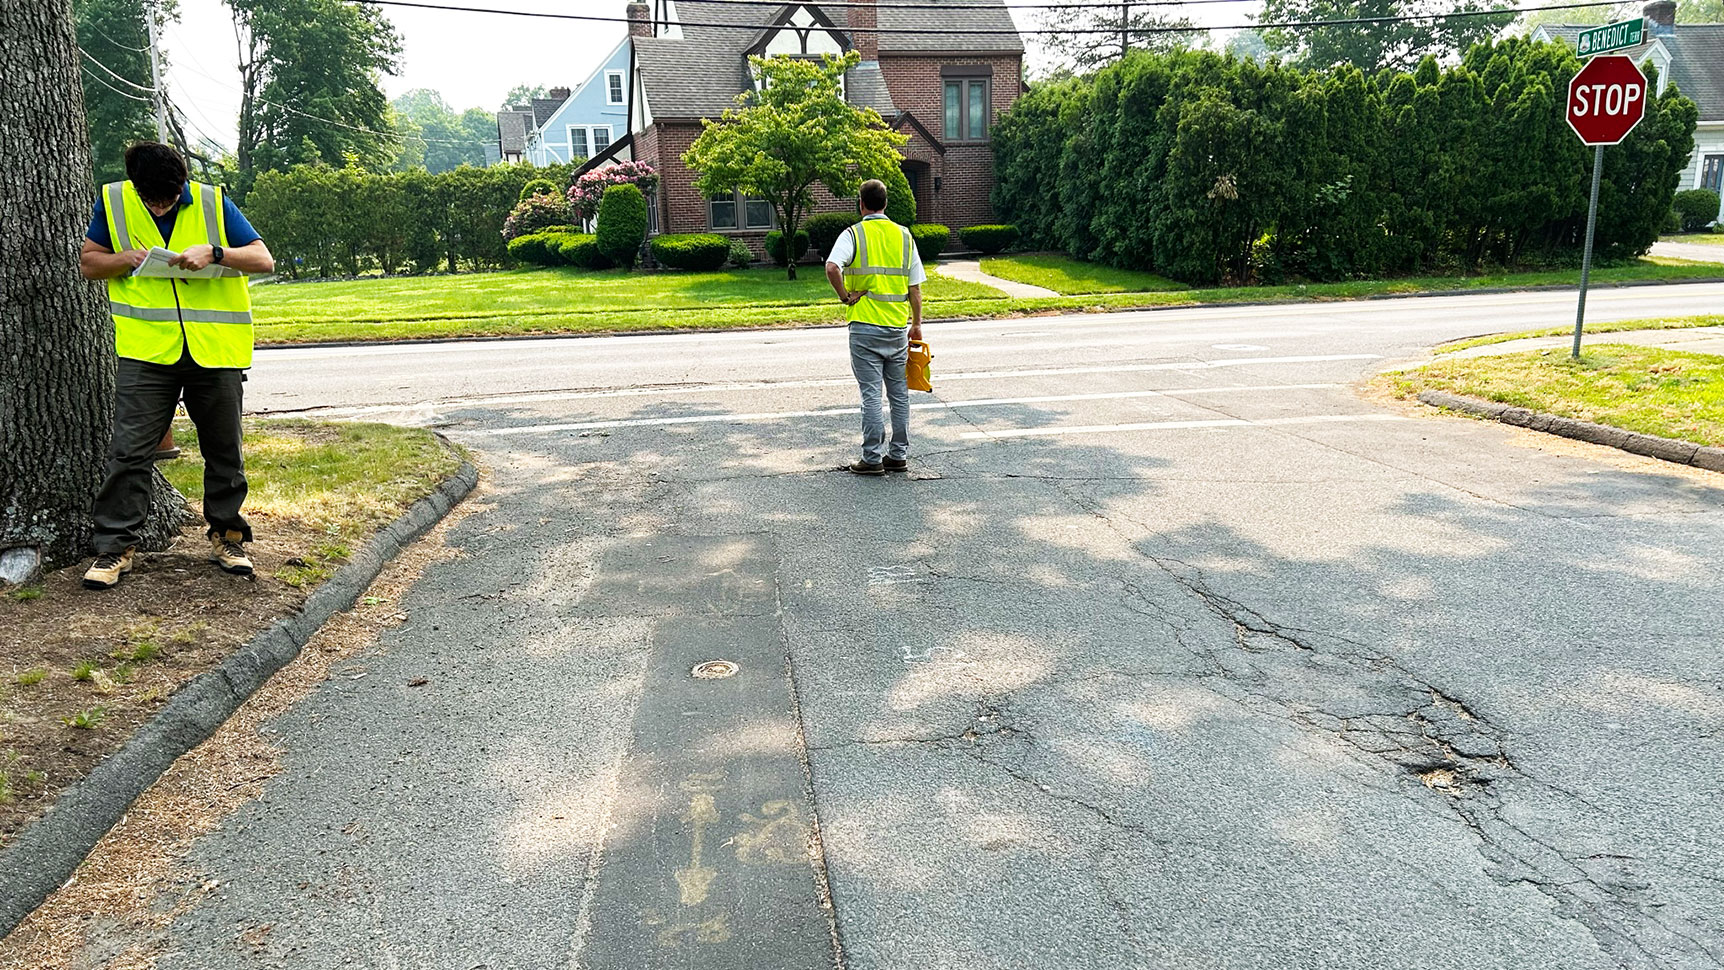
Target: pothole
{"points": [[715, 670]]}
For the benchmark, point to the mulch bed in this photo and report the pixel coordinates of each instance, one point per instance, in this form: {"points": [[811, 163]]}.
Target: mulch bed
{"points": [[174, 617]]}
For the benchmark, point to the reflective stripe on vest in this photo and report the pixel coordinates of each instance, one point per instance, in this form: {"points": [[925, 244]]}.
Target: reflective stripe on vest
{"points": [[157, 319], [882, 270]]}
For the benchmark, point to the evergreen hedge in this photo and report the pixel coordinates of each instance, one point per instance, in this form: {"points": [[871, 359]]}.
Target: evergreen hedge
{"points": [[1205, 168], [824, 228], [583, 250], [1697, 208], [703, 251], [622, 224], [989, 239], [931, 239]]}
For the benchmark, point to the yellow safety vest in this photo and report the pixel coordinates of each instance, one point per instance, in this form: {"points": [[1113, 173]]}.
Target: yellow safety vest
{"points": [[155, 317], [882, 267]]}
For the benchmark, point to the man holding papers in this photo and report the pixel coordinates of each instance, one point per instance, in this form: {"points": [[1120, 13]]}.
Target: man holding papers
{"points": [[174, 254]]}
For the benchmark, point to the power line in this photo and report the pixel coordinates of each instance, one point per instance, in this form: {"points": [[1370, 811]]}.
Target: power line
{"points": [[111, 72], [1013, 31], [111, 40], [1113, 5], [98, 79]]}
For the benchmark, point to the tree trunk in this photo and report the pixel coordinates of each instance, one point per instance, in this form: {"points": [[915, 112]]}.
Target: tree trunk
{"points": [[56, 338]]}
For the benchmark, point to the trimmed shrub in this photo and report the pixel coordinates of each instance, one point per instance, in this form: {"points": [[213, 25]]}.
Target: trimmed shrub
{"points": [[931, 239], [1673, 222], [989, 239], [740, 255], [536, 213], [702, 251], [579, 249], [775, 247], [538, 187], [825, 228], [539, 248], [1697, 207], [589, 190], [622, 224]]}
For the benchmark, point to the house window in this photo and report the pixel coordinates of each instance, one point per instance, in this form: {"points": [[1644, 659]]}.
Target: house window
{"points": [[724, 211], [967, 105], [601, 138], [614, 87], [578, 145], [1712, 173]]}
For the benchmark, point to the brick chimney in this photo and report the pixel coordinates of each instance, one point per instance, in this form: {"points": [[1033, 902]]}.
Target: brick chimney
{"points": [[1660, 17], [640, 20], [559, 94], [862, 36]]}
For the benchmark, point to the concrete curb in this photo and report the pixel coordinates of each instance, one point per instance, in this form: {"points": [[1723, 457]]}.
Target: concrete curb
{"points": [[1652, 446], [52, 848], [1074, 311]]}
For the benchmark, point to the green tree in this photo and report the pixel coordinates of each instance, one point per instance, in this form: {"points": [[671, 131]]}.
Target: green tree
{"points": [[433, 135], [118, 110], [1087, 37], [309, 84], [1398, 45], [522, 94], [797, 131]]}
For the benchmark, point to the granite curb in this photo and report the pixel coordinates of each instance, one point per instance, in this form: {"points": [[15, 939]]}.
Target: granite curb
{"points": [[48, 851], [1652, 446]]}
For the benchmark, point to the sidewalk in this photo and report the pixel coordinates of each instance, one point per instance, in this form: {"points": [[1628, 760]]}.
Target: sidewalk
{"points": [[971, 270], [1696, 340], [1699, 252]]}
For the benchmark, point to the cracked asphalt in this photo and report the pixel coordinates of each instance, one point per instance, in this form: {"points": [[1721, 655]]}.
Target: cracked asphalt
{"points": [[1172, 651]]}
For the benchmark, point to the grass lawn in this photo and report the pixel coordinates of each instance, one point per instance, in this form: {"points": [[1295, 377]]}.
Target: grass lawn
{"points": [[1609, 326], [548, 301], [1696, 238], [81, 670], [1073, 277], [1668, 393]]}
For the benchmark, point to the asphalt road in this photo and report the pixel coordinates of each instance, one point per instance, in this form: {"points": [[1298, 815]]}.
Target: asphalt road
{"points": [[1172, 651]]}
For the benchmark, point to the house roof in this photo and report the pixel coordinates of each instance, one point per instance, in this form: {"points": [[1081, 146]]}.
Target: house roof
{"points": [[512, 130], [700, 74], [1696, 60], [544, 108]]}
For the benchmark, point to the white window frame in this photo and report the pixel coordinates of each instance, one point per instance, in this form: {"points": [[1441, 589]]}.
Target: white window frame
{"points": [[592, 146], [620, 93], [1706, 161]]}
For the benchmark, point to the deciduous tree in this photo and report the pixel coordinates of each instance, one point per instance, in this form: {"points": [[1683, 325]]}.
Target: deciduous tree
{"points": [[1397, 45], [796, 131], [1088, 36]]}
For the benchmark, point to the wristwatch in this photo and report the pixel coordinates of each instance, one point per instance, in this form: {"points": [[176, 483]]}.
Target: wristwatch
{"points": [[216, 254]]}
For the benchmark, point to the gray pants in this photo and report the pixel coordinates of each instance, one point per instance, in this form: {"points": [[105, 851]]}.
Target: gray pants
{"points": [[877, 357], [144, 399]]}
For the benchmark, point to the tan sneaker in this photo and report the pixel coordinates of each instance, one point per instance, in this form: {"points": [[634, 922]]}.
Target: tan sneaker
{"points": [[106, 571], [227, 550]]}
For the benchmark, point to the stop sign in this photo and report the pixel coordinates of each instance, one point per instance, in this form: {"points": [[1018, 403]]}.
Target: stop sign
{"points": [[1606, 100]]}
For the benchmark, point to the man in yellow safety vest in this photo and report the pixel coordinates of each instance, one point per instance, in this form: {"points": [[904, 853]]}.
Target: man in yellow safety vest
{"points": [[876, 272], [177, 338]]}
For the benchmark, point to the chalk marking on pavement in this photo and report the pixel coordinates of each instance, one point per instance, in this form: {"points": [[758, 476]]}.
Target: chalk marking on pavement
{"points": [[732, 417], [716, 388], [1177, 425]]}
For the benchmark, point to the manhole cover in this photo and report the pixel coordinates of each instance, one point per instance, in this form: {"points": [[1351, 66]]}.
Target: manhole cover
{"points": [[715, 669]]}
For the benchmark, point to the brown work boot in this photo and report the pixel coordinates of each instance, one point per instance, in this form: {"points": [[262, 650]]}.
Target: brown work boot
{"points": [[866, 468], [227, 550], [897, 464], [106, 571]]}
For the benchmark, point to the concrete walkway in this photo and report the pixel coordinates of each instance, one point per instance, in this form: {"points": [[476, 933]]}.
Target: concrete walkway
{"points": [[1700, 252], [971, 270], [1695, 340]]}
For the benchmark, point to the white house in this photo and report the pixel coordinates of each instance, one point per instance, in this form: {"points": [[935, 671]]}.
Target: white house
{"points": [[1691, 56]]}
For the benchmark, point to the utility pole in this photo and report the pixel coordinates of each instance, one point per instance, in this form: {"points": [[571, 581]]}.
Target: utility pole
{"points": [[158, 95], [1124, 29]]}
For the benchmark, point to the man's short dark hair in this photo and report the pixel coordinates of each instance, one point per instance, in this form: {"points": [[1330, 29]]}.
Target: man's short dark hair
{"points": [[158, 172], [874, 195]]}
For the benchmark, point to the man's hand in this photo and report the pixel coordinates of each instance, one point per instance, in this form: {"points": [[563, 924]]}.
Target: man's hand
{"points": [[854, 297], [136, 257], [916, 331], [194, 257]]}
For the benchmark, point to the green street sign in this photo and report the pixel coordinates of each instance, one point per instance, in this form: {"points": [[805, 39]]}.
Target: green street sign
{"points": [[1599, 40]]}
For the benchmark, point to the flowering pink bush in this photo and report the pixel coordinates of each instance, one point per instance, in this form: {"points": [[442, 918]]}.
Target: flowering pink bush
{"points": [[534, 214], [589, 189]]}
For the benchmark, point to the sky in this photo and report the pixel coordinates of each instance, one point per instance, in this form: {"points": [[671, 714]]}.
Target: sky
{"points": [[471, 59]]}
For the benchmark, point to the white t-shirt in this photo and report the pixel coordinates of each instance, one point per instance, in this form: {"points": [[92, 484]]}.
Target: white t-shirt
{"points": [[844, 251]]}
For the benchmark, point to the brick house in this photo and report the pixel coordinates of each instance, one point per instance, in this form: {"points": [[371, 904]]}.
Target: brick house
{"points": [[939, 77]]}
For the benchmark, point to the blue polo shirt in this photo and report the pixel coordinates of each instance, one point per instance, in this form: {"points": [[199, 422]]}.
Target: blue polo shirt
{"points": [[239, 230]]}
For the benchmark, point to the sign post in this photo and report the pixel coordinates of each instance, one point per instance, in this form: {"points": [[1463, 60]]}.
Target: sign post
{"points": [[1605, 101]]}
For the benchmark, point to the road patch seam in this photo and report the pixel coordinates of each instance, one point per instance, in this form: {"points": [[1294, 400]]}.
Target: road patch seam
{"points": [[1652, 446], [49, 851]]}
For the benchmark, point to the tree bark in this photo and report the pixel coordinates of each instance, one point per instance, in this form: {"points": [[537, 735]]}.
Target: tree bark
{"points": [[56, 338]]}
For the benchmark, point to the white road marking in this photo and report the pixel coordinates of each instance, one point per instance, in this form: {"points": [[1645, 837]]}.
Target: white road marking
{"points": [[730, 417], [1177, 425], [718, 388]]}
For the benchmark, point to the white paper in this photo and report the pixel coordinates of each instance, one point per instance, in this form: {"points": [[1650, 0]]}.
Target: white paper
{"points": [[156, 264]]}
